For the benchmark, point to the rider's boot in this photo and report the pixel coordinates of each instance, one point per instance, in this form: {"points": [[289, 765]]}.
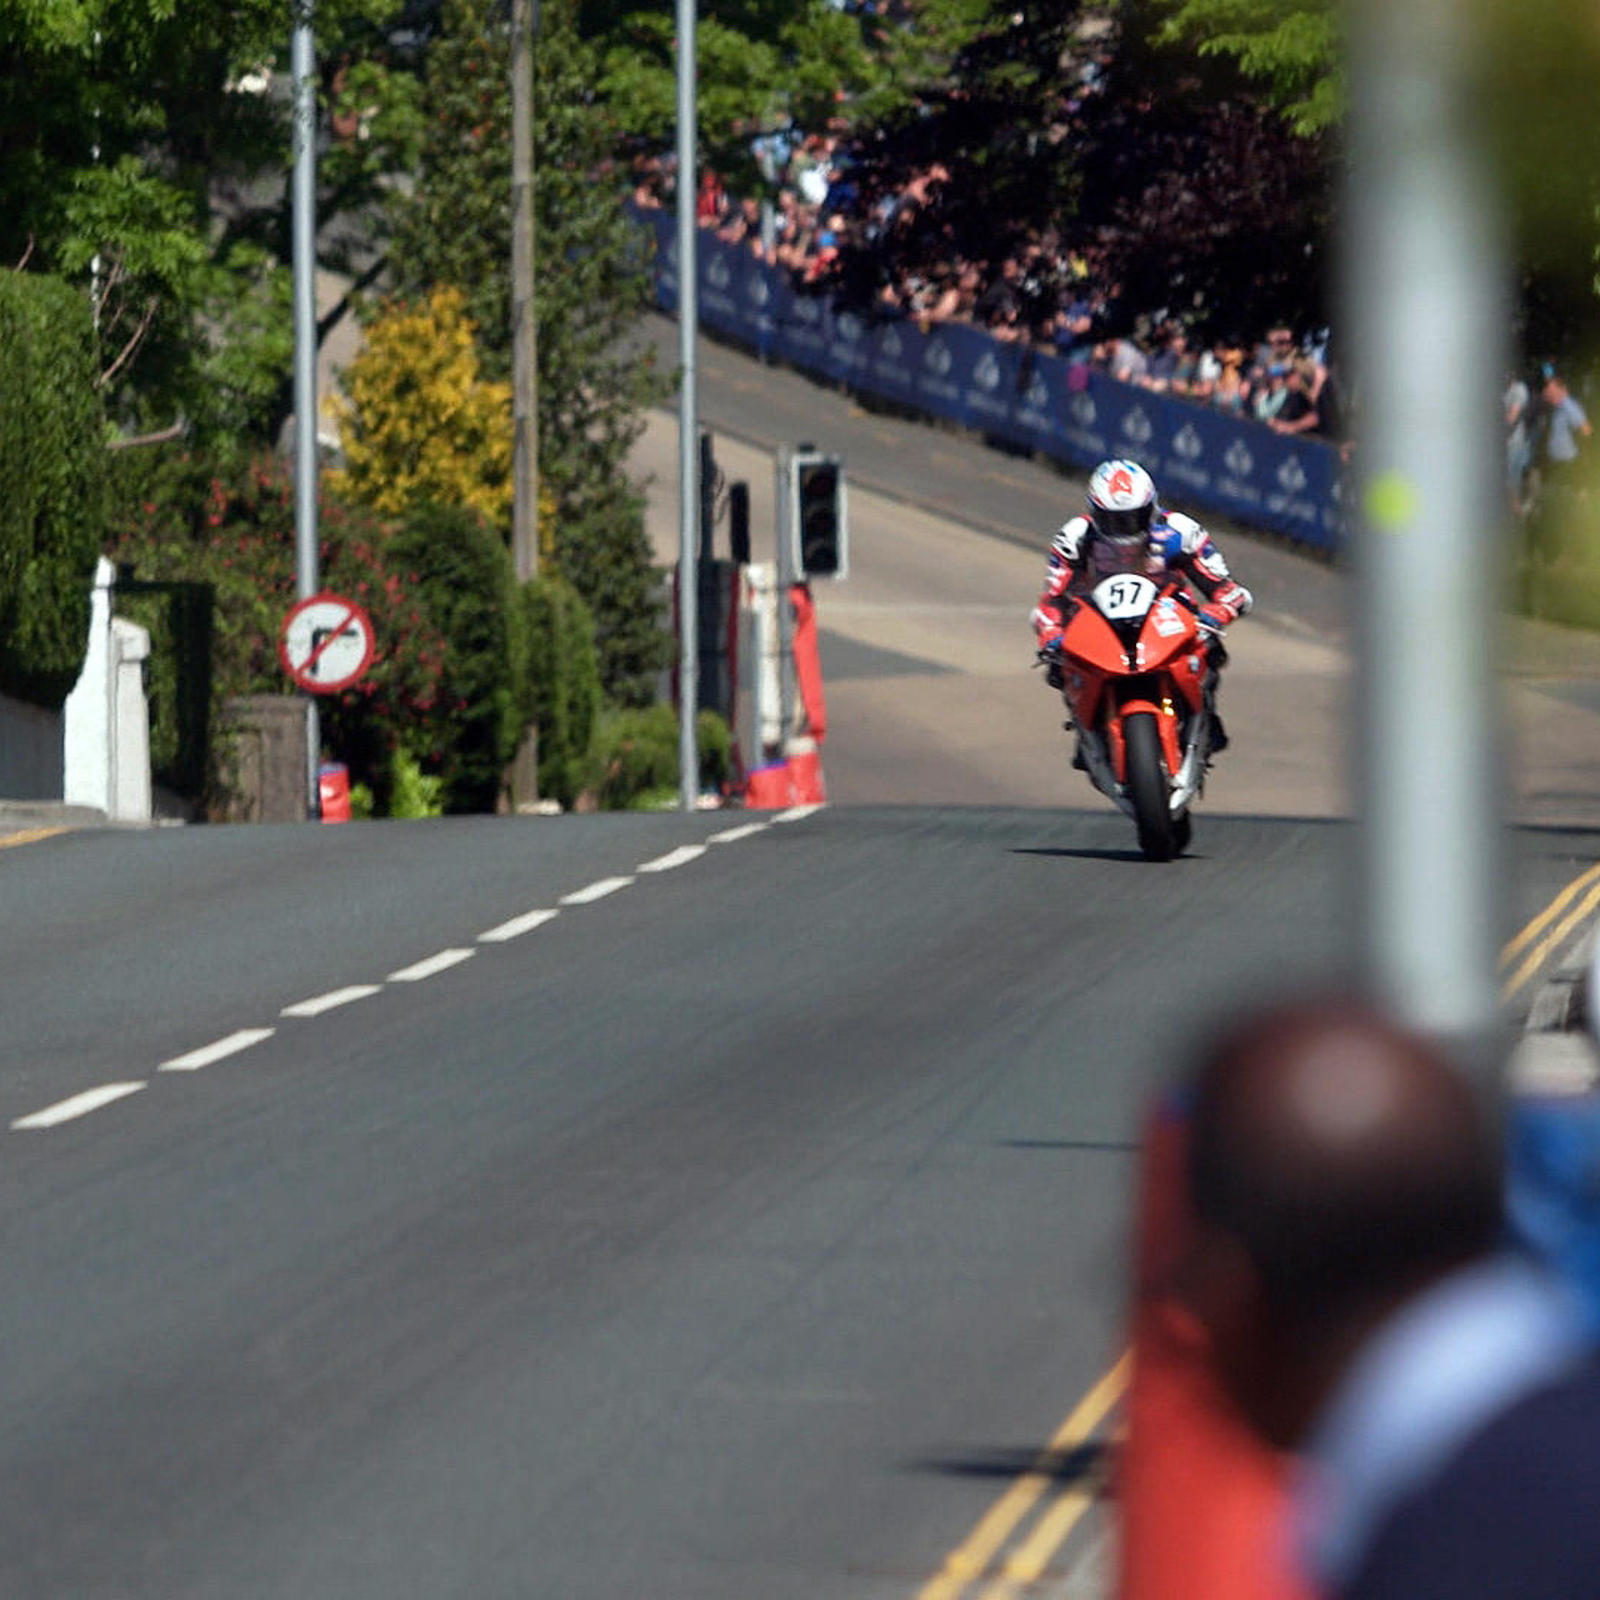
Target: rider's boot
{"points": [[1219, 734]]}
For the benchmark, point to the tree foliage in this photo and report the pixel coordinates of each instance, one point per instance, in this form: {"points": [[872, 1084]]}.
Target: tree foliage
{"points": [[145, 160], [421, 423], [468, 592], [763, 64], [562, 693], [1201, 198], [52, 466], [1291, 49], [590, 286]]}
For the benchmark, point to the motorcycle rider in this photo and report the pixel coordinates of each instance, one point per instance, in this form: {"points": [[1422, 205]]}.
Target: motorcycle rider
{"points": [[1124, 521]]}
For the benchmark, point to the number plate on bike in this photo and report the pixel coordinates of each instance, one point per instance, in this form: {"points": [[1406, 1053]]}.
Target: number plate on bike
{"points": [[1126, 595]]}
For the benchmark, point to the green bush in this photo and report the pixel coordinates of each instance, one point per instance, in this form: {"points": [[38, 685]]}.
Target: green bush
{"points": [[634, 761], [468, 591], [52, 467], [561, 685], [605, 556], [412, 793]]}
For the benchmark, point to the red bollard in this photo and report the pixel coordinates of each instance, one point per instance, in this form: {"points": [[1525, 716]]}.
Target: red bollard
{"points": [[333, 791], [806, 787], [1204, 1507], [767, 788]]}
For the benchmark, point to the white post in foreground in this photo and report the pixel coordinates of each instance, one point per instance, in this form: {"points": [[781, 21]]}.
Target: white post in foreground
{"points": [[688, 421], [1424, 299]]}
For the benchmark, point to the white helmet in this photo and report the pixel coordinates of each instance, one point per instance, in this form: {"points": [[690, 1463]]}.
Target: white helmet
{"points": [[1122, 501]]}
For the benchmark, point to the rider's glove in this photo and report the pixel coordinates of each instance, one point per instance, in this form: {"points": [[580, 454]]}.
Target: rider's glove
{"points": [[1212, 619], [1050, 660]]}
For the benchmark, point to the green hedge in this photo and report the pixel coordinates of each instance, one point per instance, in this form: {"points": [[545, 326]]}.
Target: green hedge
{"points": [[468, 591], [634, 761], [52, 471], [561, 694]]}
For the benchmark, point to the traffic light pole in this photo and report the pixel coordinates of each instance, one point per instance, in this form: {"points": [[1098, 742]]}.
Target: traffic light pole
{"points": [[787, 512]]}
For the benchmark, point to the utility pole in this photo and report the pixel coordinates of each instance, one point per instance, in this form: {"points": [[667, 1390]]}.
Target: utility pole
{"points": [[688, 420], [302, 66], [1425, 297], [524, 324]]}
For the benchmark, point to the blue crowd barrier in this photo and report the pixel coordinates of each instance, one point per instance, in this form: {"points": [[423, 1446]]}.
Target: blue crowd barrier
{"points": [[1039, 401]]}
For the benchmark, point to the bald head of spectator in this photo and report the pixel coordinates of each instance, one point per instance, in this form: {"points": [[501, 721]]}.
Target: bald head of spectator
{"points": [[1337, 1167]]}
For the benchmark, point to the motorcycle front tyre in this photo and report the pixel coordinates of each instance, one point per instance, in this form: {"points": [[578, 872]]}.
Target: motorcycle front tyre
{"points": [[1148, 787]]}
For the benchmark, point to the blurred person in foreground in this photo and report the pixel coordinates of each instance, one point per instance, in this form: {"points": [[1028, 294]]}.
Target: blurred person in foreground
{"points": [[1348, 1261]]}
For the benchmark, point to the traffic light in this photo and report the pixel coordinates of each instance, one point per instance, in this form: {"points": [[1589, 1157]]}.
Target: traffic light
{"points": [[819, 516]]}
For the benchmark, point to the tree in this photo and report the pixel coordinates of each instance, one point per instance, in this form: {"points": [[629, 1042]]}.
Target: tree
{"points": [[145, 160], [420, 422], [763, 64], [591, 286], [1291, 49], [1199, 197], [52, 465]]}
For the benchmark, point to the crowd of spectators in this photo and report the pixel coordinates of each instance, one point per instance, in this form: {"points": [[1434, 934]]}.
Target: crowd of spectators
{"points": [[829, 214]]}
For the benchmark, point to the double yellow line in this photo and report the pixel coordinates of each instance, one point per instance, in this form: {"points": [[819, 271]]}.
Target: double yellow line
{"points": [[971, 1558], [970, 1561], [1546, 934]]}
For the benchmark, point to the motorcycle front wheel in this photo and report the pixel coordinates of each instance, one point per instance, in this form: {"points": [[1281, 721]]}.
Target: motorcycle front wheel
{"points": [[1148, 787]]}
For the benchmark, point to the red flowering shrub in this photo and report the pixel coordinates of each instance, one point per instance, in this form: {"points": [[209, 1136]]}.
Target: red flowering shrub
{"points": [[176, 516]]}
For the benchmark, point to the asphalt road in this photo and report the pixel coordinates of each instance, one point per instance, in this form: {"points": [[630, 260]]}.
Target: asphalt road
{"points": [[737, 1233]]}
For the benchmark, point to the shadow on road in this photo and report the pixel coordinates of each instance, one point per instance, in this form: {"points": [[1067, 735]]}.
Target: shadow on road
{"points": [[1088, 854], [1063, 1466], [1119, 1147]]}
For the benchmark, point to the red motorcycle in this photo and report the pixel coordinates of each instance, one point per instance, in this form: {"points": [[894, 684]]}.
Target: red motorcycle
{"points": [[1134, 660]]}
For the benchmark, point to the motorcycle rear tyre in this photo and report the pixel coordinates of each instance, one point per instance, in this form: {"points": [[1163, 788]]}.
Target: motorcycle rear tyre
{"points": [[1148, 787]]}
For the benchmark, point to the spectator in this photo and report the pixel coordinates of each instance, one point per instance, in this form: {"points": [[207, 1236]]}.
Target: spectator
{"points": [[1346, 1188], [1003, 297], [1171, 365], [1129, 363], [1564, 423], [1231, 392], [1298, 413], [1270, 398], [711, 201], [1519, 444], [1276, 350], [1074, 329]]}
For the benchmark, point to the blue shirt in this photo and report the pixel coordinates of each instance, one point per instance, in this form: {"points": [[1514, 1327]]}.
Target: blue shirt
{"points": [[1566, 418], [1438, 1371]]}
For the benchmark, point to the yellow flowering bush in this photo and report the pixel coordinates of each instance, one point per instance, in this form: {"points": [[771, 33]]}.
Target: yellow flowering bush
{"points": [[418, 420]]}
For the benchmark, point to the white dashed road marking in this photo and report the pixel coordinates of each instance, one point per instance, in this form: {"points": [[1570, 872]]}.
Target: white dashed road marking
{"points": [[595, 891], [797, 813], [731, 835], [680, 857], [328, 1002], [80, 1105], [517, 926], [207, 1054], [426, 969]]}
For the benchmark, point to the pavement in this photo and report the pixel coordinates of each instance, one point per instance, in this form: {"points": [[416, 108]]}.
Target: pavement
{"points": [[33, 818]]}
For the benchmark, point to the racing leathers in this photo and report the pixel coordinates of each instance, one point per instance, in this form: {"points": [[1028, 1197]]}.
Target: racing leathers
{"points": [[1079, 557]]}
